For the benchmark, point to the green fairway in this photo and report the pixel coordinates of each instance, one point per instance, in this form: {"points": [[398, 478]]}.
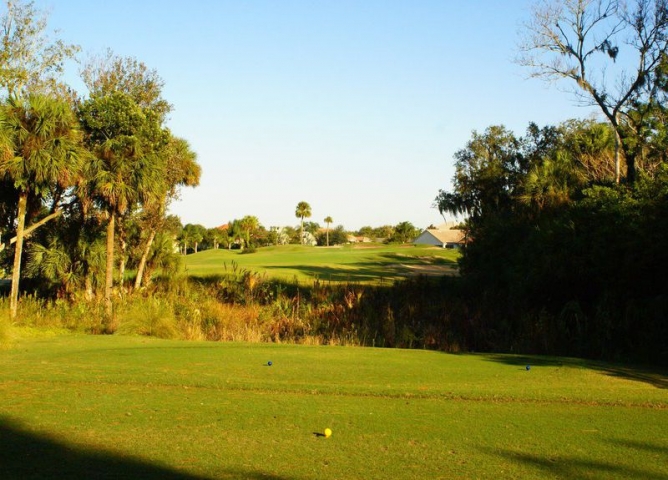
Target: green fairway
{"points": [[362, 264], [130, 407]]}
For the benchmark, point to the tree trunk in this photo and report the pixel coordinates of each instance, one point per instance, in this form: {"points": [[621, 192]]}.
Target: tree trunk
{"points": [[109, 279], [301, 238], [629, 158], [144, 257], [121, 265], [29, 230], [16, 270], [630, 167], [88, 284], [617, 162]]}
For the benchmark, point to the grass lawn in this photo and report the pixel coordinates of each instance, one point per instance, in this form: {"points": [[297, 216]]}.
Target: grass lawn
{"points": [[129, 407], [360, 264]]}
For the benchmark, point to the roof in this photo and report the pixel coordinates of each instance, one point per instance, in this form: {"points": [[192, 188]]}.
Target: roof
{"points": [[442, 236], [448, 236]]}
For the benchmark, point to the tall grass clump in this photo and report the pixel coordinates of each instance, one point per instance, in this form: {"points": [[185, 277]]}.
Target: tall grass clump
{"points": [[153, 317]]}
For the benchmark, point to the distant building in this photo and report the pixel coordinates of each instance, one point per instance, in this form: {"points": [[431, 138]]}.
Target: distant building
{"points": [[358, 239], [444, 236]]}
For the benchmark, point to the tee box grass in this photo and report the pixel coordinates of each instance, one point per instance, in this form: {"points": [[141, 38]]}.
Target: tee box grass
{"points": [[133, 407]]}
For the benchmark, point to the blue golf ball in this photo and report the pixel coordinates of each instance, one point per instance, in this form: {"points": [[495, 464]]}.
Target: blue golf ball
{"points": [[270, 363], [528, 367]]}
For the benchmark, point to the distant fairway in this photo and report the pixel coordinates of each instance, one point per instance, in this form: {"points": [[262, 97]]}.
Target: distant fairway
{"points": [[360, 264], [131, 407]]}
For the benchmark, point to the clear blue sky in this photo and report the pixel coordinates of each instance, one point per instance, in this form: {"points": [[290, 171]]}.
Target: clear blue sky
{"points": [[356, 107]]}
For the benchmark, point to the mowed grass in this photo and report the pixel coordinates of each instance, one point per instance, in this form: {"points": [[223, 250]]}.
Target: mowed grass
{"points": [[130, 407], [351, 263]]}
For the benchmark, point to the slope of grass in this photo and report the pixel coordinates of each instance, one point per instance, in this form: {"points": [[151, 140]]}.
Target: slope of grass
{"points": [[123, 407], [361, 264]]}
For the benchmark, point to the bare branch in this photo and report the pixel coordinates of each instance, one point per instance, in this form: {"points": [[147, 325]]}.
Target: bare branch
{"points": [[578, 40]]}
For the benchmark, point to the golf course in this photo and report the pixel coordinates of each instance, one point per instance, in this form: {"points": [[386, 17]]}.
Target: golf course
{"points": [[402, 260], [362, 263], [82, 406]]}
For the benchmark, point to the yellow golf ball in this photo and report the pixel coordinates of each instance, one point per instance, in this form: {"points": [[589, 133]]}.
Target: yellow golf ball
{"points": [[328, 433]]}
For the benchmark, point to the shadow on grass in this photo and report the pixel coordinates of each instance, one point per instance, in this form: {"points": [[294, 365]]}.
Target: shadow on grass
{"points": [[376, 272], [571, 468], [650, 375], [26, 455], [644, 446], [355, 274]]}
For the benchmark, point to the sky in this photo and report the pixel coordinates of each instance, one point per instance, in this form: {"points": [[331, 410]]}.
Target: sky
{"points": [[356, 107]]}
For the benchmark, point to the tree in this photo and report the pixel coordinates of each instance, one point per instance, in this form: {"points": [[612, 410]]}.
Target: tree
{"points": [[109, 74], [112, 73], [338, 236], [180, 168], [302, 211], [328, 220], [404, 232], [214, 236], [29, 60], [124, 141], [311, 227], [366, 231], [248, 225], [192, 234], [612, 54], [234, 233], [334, 236], [486, 174], [384, 231], [40, 151]]}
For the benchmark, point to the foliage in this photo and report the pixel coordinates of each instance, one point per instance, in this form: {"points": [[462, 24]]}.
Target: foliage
{"points": [[337, 236], [111, 73], [561, 259], [249, 225], [30, 62], [328, 221], [302, 211], [581, 41], [403, 232], [191, 236], [40, 145]]}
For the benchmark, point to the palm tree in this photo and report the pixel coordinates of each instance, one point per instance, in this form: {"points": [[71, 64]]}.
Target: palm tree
{"points": [[248, 224], [180, 168], [126, 168], [40, 151], [328, 221], [303, 211]]}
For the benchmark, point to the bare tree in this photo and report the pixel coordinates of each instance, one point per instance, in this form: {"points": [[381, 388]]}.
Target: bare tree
{"points": [[610, 51]]}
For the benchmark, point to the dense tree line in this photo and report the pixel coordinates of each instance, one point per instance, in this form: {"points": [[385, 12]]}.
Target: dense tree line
{"points": [[561, 259], [566, 249], [97, 171]]}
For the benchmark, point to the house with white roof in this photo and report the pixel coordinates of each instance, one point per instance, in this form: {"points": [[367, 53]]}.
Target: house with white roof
{"points": [[444, 236]]}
